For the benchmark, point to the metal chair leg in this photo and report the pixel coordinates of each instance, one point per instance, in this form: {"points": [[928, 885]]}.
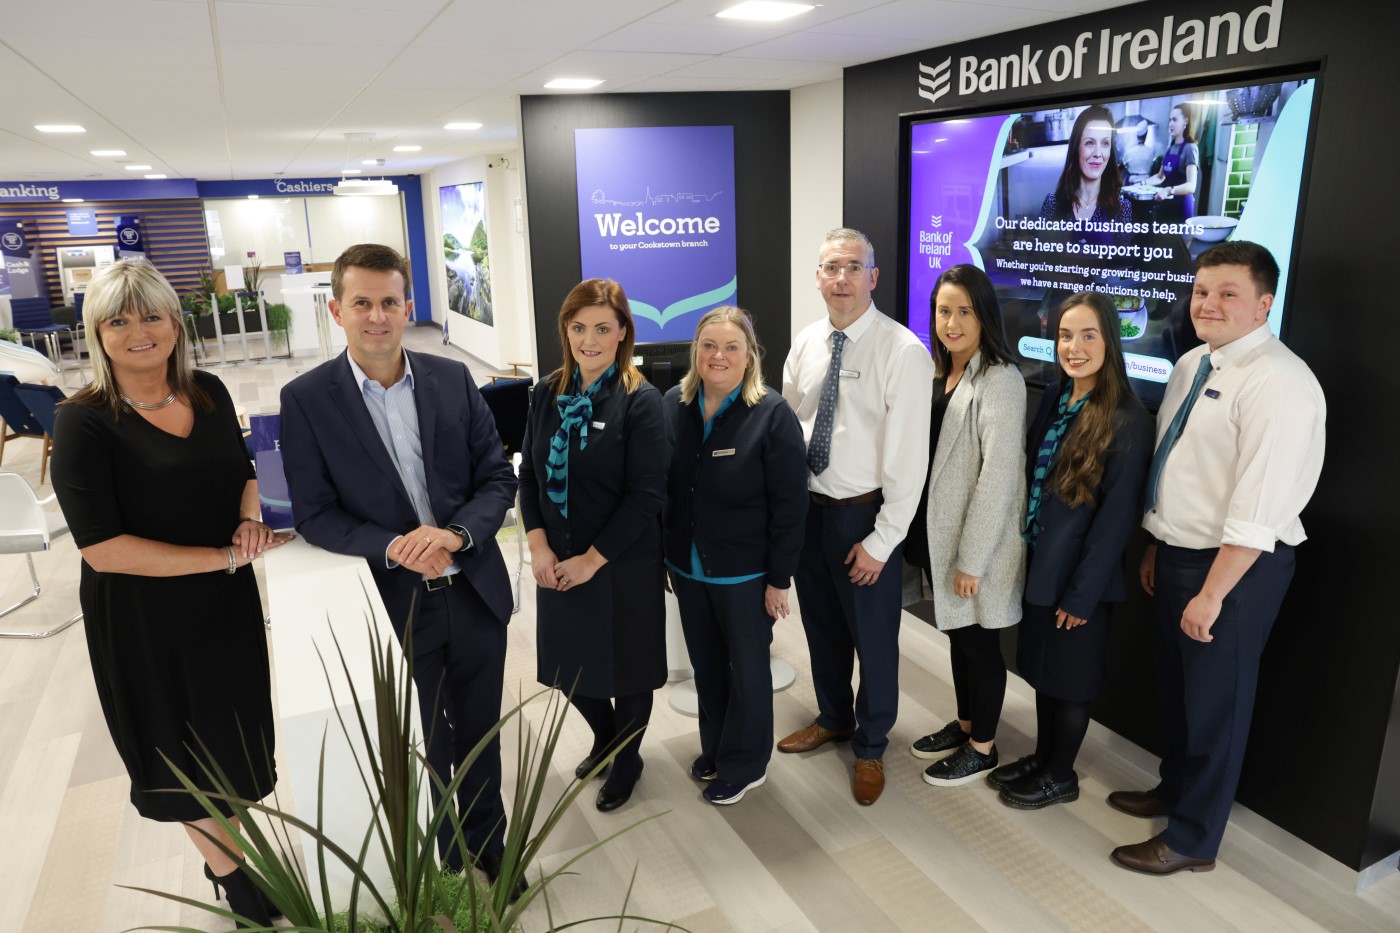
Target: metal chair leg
{"points": [[34, 578]]}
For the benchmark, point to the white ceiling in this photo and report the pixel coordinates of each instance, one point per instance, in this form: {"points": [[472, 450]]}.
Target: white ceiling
{"points": [[216, 89]]}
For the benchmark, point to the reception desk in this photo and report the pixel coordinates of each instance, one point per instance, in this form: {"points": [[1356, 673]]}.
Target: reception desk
{"points": [[311, 594]]}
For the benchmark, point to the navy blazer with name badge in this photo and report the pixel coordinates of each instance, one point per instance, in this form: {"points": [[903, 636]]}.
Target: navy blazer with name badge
{"points": [[347, 496], [1077, 561]]}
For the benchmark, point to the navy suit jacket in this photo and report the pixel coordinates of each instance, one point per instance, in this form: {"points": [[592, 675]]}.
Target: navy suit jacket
{"points": [[347, 496], [1077, 561]]}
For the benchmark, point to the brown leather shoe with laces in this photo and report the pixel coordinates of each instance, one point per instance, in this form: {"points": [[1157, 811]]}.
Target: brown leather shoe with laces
{"points": [[869, 780], [813, 736]]}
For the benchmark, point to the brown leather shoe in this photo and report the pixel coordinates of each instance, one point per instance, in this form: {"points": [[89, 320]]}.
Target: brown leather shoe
{"points": [[870, 780], [813, 736], [1154, 858], [1138, 803]]}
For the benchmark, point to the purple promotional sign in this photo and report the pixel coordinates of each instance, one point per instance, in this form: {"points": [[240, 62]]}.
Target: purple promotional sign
{"points": [[952, 165], [656, 213], [129, 240], [292, 262], [23, 279], [273, 495], [82, 222]]}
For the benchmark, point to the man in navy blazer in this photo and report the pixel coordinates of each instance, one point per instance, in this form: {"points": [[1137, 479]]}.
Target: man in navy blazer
{"points": [[394, 456]]}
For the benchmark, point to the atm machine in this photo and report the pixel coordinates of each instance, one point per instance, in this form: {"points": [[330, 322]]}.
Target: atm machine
{"points": [[78, 264]]}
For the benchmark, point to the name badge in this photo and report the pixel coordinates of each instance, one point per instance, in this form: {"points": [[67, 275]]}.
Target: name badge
{"points": [[1212, 393], [850, 374], [599, 425], [727, 452]]}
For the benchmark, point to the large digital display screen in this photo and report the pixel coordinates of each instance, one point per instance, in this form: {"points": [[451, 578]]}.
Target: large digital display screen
{"points": [[1119, 196]]}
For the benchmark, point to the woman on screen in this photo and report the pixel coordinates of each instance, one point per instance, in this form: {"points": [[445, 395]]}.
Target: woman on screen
{"points": [[592, 483], [1091, 185], [1181, 164], [1087, 452], [964, 547]]}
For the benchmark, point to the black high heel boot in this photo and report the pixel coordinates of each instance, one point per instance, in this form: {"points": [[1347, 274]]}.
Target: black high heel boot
{"points": [[271, 908], [244, 898]]}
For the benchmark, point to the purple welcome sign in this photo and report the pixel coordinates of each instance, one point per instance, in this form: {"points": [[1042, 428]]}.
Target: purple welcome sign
{"points": [[656, 213], [953, 165]]}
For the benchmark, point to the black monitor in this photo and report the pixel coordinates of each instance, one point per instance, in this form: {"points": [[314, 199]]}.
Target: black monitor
{"points": [[663, 363]]}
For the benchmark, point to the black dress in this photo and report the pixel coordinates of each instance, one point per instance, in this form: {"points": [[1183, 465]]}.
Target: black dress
{"points": [[916, 541], [607, 637], [180, 662]]}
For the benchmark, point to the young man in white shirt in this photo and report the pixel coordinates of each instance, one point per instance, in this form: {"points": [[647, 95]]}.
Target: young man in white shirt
{"points": [[861, 385], [1243, 424]]}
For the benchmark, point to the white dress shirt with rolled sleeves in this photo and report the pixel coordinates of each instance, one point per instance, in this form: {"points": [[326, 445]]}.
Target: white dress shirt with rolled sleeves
{"points": [[880, 431], [1251, 452]]}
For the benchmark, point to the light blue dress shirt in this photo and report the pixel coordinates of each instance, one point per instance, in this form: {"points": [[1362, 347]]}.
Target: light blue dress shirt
{"points": [[395, 417]]}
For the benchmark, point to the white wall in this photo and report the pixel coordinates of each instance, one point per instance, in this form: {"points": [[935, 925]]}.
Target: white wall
{"points": [[816, 191], [511, 338]]}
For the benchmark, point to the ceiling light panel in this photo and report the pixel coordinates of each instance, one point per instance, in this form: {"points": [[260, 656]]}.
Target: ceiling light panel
{"points": [[765, 11]]}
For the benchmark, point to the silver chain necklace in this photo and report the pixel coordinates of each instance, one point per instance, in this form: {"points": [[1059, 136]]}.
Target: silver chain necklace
{"points": [[150, 406]]}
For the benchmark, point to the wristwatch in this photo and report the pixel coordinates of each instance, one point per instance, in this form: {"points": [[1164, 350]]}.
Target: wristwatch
{"points": [[461, 532]]}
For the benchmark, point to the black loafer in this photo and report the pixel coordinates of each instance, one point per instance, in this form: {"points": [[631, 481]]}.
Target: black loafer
{"points": [[611, 797], [1003, 777], [1040, 790], [588, 764], [490, 864]]}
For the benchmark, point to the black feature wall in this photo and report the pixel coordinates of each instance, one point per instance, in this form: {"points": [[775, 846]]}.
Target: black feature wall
{"points": [[762, 205], [1324, 752]]}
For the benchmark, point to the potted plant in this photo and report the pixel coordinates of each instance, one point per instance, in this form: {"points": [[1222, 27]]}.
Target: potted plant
{"points": [[418, 897]]}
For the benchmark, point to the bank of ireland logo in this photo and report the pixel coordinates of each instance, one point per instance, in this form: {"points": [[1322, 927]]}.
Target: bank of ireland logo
{"points": [[934, 82], [129, 236], [12, 240]]}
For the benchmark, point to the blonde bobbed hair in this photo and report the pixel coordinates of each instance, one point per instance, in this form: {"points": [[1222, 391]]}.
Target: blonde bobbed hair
{"points": [[753, 387]]}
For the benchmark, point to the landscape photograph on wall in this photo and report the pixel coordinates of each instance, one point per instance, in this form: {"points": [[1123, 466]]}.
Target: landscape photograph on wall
{"points": [[465, 250]]}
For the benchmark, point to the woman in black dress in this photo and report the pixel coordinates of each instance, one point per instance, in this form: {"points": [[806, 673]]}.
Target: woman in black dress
{"points": [[154, 480], [592, 484], [1086, 459]]}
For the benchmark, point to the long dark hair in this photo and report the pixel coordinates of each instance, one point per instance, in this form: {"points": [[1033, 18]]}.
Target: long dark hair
{"points": [[1111, 182], [1078, 468], [587, 294], [988, 310]]}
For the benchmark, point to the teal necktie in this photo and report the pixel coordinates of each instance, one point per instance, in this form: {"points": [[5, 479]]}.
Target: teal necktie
{"points": [[1164, 447]]}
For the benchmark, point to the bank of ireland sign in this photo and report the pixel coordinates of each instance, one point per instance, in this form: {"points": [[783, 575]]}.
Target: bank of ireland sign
{"points": [[656, 213]]}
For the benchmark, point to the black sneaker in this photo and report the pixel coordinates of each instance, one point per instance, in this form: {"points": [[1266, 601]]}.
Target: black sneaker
{"points": [[1003, 777], [703, 769], [964, 765], [1040, 790], [940, 744]]}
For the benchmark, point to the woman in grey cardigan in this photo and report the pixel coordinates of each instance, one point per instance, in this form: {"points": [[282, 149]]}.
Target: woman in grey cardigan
{"points": [[965, 541]]}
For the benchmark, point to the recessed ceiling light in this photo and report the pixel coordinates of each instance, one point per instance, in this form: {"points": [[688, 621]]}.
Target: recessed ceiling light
{"points": [[372, 162], [138, 168], [72, 200], [573, 84], [764, 11], [252, 197], [157, 176], [408, 148], [59, 128], [108, 152], [350, 171], [462, 126]]}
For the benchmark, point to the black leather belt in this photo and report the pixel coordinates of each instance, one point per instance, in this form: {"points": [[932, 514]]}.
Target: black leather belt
{"points": [[441, 583], [862, 499]]}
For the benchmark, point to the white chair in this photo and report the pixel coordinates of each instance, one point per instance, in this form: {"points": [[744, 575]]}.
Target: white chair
{"points": [[25, 527]]}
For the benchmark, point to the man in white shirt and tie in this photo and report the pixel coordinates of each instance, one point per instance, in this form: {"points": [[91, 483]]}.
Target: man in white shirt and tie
{"points": [[861, 385], [1240, 438]]}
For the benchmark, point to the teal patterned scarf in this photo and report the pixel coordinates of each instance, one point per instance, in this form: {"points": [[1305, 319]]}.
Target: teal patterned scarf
{"points": [[1064, 418], [575, 412]]}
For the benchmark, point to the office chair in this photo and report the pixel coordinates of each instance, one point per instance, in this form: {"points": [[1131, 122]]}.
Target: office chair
{"points": [[26, 527], [42, 401], [16, 420]]}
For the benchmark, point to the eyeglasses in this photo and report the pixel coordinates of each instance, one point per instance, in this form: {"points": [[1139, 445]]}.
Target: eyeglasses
{"points": [[853, 270]]}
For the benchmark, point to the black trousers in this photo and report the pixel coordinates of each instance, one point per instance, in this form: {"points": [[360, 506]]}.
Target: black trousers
{"points": [[459, 653], [844, 622], [979, 678], [1206, 689], [728, 634]]}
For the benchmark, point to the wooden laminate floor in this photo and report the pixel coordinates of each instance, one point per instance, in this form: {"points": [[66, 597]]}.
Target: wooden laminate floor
{"points": [[796, 855]]}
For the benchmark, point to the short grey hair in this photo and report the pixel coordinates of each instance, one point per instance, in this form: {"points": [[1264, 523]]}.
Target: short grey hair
{"points": [[850, 235]]}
